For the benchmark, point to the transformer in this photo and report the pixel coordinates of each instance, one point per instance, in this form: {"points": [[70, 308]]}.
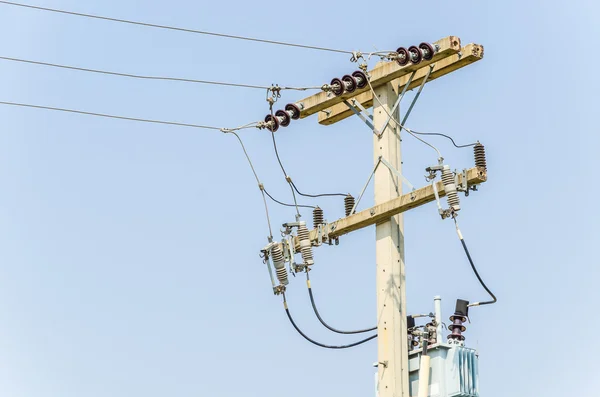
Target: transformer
{"points": [[454, 371]]}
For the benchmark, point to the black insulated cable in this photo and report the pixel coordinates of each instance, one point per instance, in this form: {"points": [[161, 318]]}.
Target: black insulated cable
{"points": [[287, 178], [290, 179], [285, 204], [445, 136], [317, 195], [314, 306], [287, 311], [462, 240]]}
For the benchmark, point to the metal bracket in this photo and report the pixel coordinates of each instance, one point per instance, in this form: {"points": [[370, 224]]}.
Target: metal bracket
{"points": [[368, 120], [464, 185], [319, 234], [289, 225]]}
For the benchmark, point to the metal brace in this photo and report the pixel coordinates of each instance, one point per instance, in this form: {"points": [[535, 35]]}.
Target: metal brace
{"points": [[399, 175], [414, 101], [365, 187], [398, 102], [367, 120], [417, 95]]}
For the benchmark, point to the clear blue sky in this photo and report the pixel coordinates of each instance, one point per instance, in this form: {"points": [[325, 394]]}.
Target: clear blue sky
{"points": [[129, 252]]}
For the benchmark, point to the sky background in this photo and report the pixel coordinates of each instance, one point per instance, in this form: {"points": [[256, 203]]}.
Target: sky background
{"points": [[129, 252]]}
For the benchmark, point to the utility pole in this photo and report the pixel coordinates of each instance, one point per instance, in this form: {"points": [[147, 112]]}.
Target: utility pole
{"points": [[386, 80], [391, 293]]}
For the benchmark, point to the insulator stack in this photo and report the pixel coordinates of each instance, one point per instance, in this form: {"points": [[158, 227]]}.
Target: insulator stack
{"points": [[318, 218], [272, 122], [459, 317], [450, 188], [361, 78], [415, 54], [457, 327], [305, 246], [427, 51], [347, 84], [282, 118], [480, 160], [350, 83], [349, 204], [337, 86], [279, 264]]}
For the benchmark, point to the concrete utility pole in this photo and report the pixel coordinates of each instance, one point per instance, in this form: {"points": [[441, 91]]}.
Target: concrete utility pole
{"points": [[391, 292], [387, 79]]}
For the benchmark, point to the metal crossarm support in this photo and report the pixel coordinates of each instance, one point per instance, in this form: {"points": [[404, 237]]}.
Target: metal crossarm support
{"points": [[412, 104], [387, 122], [367, 120], [365, 187], [398, 174]]}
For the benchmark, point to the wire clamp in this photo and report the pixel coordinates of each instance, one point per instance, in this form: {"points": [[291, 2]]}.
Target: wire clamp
{"points": [[356, 55]]}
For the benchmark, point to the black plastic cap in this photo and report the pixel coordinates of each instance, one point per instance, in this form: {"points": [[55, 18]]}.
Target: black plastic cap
{"points": [[462, 308], [410, 322]]}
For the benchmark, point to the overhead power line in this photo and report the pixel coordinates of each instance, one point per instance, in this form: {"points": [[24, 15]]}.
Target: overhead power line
{"points": [[152, 25], [208, 127], [136, 76]]}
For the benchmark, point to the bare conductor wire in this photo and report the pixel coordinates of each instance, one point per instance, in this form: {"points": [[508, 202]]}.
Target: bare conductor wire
{"points": [[260, 185], [136, 76], [152, 25], [208, 127]]}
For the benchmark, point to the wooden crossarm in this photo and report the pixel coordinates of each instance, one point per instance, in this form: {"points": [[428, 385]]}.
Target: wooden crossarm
{"points": [[468, 54], [385, 211], [381, 74]]}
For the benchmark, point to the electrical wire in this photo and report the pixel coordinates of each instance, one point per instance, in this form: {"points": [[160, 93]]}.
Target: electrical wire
{"points": [[445, 136], [287, 178], [317, 195], [152, 25], [292, 184], [261, 187], [462, 240], [288, 205], [287, 311], [136, 76], [314, 306], [398, 123], [208, 127]]}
